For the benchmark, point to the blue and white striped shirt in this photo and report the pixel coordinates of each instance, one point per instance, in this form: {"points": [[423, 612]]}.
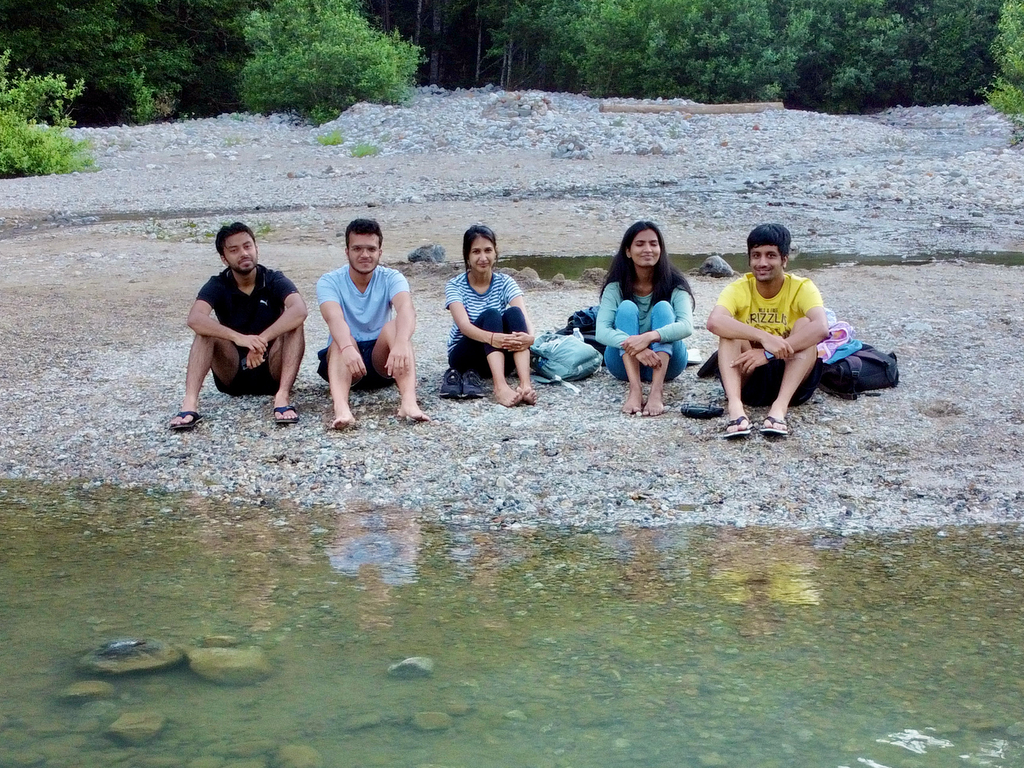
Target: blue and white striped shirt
{"points": [[498, 295]]}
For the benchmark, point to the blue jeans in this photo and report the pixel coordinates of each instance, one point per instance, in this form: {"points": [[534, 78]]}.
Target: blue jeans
{"points": [[627, 320]]}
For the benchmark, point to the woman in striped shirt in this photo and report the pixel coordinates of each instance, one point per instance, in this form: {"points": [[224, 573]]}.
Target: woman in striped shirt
{"points": [[492, 331]]}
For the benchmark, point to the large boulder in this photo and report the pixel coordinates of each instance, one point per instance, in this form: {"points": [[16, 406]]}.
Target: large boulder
{"points": [[433, 254], [230, 666], [715, 266], [128, 655]]}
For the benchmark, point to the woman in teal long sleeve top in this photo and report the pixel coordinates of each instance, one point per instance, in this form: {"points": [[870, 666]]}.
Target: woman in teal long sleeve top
{"points": [[646, 311]]}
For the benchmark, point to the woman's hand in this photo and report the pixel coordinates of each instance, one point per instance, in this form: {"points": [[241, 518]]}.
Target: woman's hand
{"points": [[511, 342], [517, 341], [649, 357], [634, 345]]}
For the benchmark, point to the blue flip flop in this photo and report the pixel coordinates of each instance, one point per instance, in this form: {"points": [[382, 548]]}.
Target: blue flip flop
{"points": [[285, 409], [196, 418]]}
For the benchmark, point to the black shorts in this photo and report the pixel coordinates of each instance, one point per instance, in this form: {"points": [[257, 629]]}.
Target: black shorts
{"points": [[249, 381], [372, 379], [761, 389]]}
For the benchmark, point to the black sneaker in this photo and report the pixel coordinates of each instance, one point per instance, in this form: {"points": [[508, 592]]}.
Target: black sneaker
{"points": [[451, 384], [472, 384]]}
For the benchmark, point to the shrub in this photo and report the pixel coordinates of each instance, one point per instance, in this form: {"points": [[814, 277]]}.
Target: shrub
{"points": [[28, 146], [365, 150], [318, 57], [332, 139]]}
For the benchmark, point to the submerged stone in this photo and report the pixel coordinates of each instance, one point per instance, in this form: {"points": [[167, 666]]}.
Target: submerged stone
{"points": [[128, 655], [219, 641], [230, 666], [432, 721], [87, 690], [414, 666], [361, 722], [298, 756], [137, 727]]}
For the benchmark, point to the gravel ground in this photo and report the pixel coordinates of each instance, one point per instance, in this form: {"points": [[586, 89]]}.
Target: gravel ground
{"points": [[100, 269]]}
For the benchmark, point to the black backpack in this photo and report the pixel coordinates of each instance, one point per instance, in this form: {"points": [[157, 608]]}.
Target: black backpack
{"points": [[867, 368], [585, 320]]}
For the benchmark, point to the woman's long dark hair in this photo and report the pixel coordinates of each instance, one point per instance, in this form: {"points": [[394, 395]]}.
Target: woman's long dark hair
{"points": [[666, 277]]}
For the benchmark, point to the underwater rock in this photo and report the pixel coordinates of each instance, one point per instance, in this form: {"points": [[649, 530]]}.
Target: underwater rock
{"points": [[230, 666], [137, 727], [298, 756], [414, 666], [362, 722], [127, 655], [432, 721], [87, 690], [219, 641]]}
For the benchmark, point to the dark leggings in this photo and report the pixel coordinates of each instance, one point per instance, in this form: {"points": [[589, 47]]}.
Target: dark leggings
{"points": [[469, 354]]}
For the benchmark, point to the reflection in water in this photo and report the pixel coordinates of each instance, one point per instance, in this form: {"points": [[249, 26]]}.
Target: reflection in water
{"points": [[665, 648], [757, 568], [379, 547]]}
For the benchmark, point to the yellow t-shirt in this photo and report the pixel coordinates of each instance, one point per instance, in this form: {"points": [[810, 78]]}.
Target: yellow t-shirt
{"points": [[777, 314]]}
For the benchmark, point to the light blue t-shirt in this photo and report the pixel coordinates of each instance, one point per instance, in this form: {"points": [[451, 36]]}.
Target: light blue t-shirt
{"points": [[366, 312]]}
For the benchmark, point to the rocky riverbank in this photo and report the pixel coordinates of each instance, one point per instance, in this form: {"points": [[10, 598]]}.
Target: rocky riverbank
{"points": [[100, 270]]}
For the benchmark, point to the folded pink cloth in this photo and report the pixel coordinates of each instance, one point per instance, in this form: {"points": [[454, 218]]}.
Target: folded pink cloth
{"points": [[838, 334]]}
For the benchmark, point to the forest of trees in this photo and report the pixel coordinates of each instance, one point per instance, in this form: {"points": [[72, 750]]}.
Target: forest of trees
{"points": [[145, 60]]}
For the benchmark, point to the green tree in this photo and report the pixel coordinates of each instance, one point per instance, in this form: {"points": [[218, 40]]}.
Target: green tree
{"points": [[140, 60], [1007, 92], [318, 57]]}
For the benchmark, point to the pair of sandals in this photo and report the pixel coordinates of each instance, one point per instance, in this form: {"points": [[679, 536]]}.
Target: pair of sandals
{"points": [[772, 427], [194, 418]]}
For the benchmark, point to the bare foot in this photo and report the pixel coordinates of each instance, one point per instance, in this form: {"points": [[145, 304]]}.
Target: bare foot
{"points": [[654, 405], [506, 395], [413, 413], [343, 419], [634, 403], [527, 395]]}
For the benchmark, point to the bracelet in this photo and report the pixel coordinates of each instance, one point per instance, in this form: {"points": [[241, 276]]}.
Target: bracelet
{"points": [[492, 338], [347, 346]]}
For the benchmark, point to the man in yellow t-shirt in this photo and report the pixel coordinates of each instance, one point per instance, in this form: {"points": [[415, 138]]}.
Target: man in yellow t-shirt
{"points": [[769, 324]]}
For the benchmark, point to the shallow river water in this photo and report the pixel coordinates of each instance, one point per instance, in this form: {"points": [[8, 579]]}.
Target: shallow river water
{"points": [[551, 649]]}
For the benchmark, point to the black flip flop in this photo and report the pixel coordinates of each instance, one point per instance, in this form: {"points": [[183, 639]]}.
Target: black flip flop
{"points": [[776, 428], [196, 418], [285, 409], [739, 432]]}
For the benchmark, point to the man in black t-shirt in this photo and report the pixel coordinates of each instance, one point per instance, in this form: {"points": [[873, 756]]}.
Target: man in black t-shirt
{"points": [[255, 344]]}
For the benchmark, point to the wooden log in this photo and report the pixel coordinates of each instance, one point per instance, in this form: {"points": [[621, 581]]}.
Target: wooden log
{"points": [[693, 109]]}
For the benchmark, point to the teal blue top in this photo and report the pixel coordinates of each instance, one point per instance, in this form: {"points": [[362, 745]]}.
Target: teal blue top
{"points": [[608, 335]]}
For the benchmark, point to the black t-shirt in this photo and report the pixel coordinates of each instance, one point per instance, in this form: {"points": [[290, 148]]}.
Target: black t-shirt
{"points": [[248, 314]]}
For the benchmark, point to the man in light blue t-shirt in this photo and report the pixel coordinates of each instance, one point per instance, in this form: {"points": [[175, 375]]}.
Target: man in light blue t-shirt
{"points": [[367, 348]]}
